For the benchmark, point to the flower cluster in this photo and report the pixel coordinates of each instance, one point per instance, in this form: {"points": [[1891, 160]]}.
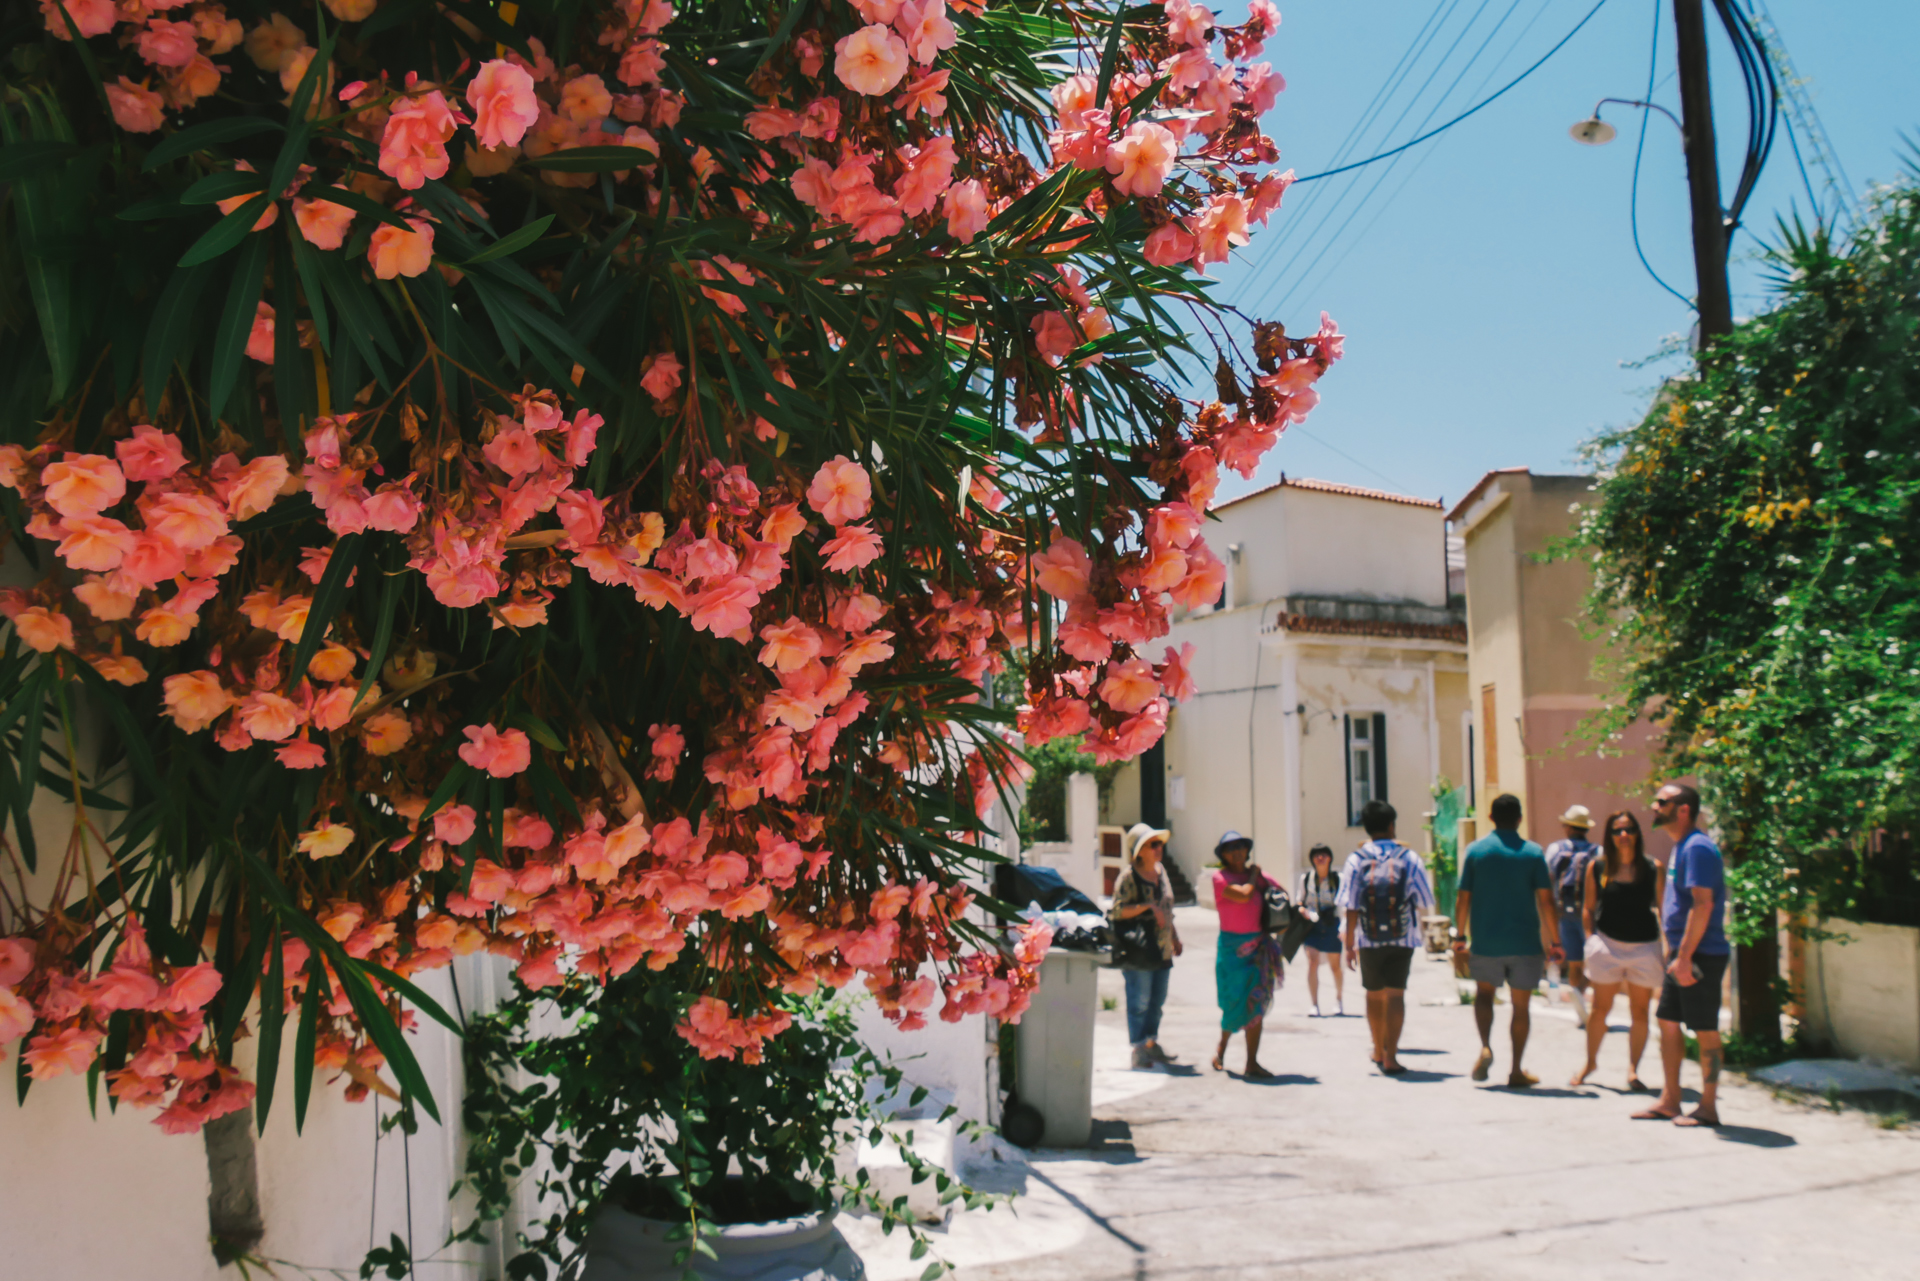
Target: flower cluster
{"points": [[782, 559]]}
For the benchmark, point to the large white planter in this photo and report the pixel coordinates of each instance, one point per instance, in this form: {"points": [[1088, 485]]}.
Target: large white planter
{"points": [[809, 1247]]}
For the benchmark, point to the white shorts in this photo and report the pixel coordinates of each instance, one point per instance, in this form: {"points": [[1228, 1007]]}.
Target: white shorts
{"points": [[1611, 961]]}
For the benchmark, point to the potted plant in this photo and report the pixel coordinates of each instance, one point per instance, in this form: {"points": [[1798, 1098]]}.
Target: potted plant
{"points": [[660, 1159]]}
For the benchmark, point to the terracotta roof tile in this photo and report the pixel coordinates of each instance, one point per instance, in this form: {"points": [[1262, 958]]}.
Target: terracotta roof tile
{"points": [[1332, 487]]}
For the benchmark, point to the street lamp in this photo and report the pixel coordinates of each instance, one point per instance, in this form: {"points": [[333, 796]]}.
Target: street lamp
{"points": [[1595, 132]]}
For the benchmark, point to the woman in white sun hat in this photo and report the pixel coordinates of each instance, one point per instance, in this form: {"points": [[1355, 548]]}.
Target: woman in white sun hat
{"points": [[1142, 888]]}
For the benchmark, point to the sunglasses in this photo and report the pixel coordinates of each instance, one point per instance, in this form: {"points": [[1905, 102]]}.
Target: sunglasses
{"points": [[1662, 802]]}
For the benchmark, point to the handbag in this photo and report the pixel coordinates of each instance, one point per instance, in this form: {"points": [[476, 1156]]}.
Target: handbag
{"points": [[1279, 917], [1136, 943]]}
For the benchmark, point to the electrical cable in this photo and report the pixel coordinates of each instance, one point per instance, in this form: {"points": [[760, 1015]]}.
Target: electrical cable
{"points": [[1633, 200], [1306, 278], [1415, 50], [1819, 213], [1489, 100], [1381, 178]]}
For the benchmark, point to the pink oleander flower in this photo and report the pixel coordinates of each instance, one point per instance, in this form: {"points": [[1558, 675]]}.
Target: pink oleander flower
{"points": [[250, 489], [149, 454], [585, 100], [121, 669], [504, 106], [413, 147], [641, 64], [136, 108], [851, 547], [43, 630], [925, 95], [501, 754], [1206, 576], [927, 29], [334, 661], [1064, 570], [1129, 686], [195, 700], [660, 375], [273, 42], [394, 252], [393, 508], [326, 840], [454, 824], [94, 542], [352, 10], [69, 1050], [1170, 245], [386, 732], [1188, 23], [871, 61], [192, 988], [841, 491], [301, 753], [1221, 228], [1053, 335], [268, 716], [260, 337], [929, 174], [1176, 676], [1142, 159], [968, 210], [789, 646], [124, 987], [322, 223], [188, 521], [167, 44], [515, 452], [83, 484], [91, 17], [16, 1016]]}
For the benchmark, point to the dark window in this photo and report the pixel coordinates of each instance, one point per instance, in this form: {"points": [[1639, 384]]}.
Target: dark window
{"points": [[1366, 763]]}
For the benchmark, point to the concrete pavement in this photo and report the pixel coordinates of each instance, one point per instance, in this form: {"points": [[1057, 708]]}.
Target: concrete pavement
{"points": [[1333, 1171]]}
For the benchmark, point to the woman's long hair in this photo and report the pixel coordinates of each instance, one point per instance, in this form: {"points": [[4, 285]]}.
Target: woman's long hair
{"points": [[1333, 873], [1643, 864]]}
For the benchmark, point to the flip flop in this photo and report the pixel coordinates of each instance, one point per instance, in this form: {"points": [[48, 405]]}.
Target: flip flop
{"points": [[1257, 1073], [1636, 1086], [1395, 1070], [1695, 1123], [1651, 1115]]}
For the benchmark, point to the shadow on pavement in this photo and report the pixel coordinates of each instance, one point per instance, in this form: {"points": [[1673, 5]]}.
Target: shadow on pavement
{"points": [[1420, 1076], [1278, 1078], [1112, 1141], [1753, 1136], [1544, 1091]]}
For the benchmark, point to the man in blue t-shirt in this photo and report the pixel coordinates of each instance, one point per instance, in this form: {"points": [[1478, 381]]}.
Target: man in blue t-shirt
{"points": [[1505, 907], [1693, 916]]}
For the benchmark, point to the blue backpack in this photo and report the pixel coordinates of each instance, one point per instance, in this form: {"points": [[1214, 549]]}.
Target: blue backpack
{"points": [[1384, 879], [1572, 884]]}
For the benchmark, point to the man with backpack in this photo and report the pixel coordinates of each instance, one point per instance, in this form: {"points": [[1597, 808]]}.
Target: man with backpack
{"points": [[1383, 890], [1504, 920], [1567, 863]]}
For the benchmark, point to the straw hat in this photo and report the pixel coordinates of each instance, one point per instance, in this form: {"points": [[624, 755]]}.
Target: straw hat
{"points": [[1577, 816], [1140, 833]]}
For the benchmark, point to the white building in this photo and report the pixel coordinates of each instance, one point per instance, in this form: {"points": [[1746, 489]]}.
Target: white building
{"points": [[1332, 670]]}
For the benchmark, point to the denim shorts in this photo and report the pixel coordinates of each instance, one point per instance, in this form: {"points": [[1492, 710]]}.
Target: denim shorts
{"points": [[1573, 935]]}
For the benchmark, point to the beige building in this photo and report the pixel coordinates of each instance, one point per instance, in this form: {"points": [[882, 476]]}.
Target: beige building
{"points": [[1531, 666], [1332, 670]]}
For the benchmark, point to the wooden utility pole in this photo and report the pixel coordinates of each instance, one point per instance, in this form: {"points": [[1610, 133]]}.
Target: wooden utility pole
{"points": [[1756, 966], [1712, 300]]}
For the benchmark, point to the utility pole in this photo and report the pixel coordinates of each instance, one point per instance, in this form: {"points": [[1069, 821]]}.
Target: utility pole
{"points": [[1756, 966], [1713, 300]]}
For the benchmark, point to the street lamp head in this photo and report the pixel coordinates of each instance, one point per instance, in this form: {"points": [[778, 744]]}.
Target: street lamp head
{"points": [[1593, 131]]}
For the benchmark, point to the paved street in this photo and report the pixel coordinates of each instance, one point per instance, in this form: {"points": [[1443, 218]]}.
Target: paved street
{"points": [[1332, 1171]]}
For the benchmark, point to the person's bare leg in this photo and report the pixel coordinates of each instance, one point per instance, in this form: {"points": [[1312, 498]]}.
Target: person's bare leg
{"points": [[1254, 1071], [1711, 1056], [1483, 994], [1639, 1002], [1313, 978], [1395, 1018], [1673, 1052], [1519, 1026], [1377, 1023], [1220, 1052], [1339, 984], [1603, 994]]}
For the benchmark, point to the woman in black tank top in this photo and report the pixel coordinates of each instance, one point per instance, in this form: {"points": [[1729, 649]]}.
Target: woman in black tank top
{"points": [[1623, 939]]}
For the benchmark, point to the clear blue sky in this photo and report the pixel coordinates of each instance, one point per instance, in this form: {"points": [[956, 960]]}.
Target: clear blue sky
{"points": [[1488, 285]]}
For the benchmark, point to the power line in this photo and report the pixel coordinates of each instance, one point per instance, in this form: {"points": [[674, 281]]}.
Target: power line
{"points": [[1314, 177], [1415, 50], [1302, 280], [1633, 200]]}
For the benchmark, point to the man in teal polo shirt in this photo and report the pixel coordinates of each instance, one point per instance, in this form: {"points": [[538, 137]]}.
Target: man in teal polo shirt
{"points": [[1504, 920]]}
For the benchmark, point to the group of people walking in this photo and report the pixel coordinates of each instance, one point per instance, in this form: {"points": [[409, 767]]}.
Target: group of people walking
{"points": [[1616, 922]]}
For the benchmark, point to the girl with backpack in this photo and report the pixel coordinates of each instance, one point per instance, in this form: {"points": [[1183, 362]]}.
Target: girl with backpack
{"points": [[1320, 896]]}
